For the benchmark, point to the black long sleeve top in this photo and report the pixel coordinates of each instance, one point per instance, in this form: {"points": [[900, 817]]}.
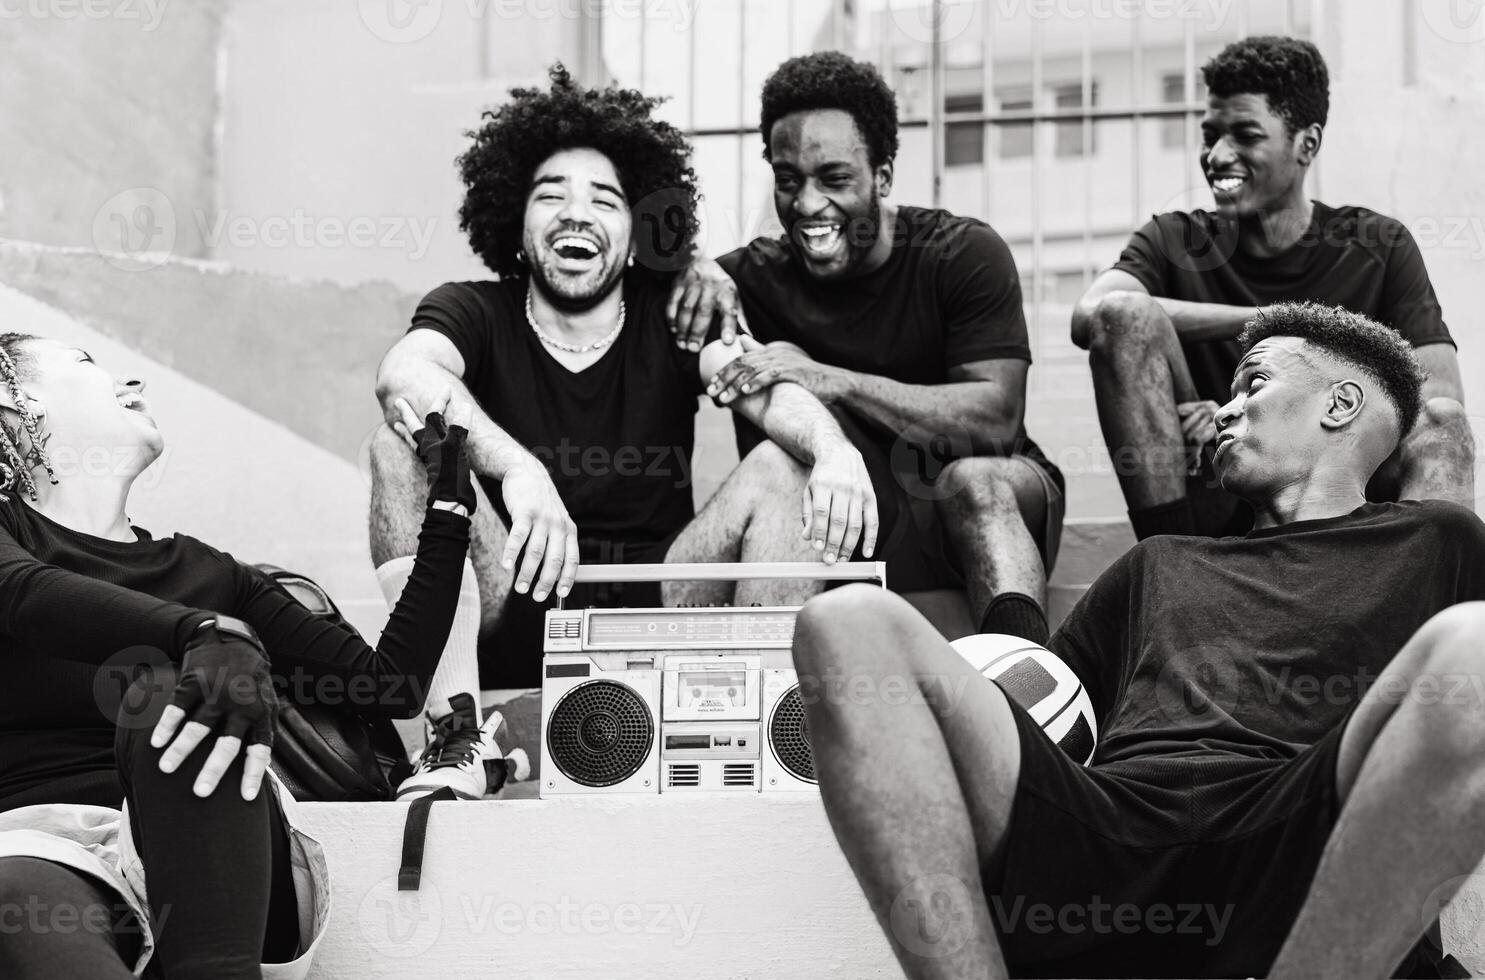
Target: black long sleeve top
{"points": [[77, 612]]}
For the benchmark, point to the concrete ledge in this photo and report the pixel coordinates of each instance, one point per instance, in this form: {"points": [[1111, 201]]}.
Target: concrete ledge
{"points": [[660, 888]]}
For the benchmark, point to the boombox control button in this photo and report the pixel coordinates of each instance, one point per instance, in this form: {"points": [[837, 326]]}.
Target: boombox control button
{"points": [[673, 627]]}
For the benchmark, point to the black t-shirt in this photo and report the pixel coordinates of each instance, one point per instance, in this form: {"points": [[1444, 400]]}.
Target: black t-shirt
{"points": [[1259, 645], [1349, 256], [71, 603], [948, 295], [616, 437]]}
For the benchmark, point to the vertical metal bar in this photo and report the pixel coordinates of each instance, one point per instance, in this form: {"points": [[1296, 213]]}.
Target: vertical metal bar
{"points": [[838, 25], [742, 111], [1087, 151], [790, 32], [1188, 96], [1288, 18], [936, 102], [1038, 130], [1137, 81], [1242, 13], [987, 106], [691, 65], [1317, 34], [1410, 42], [644, 23]]}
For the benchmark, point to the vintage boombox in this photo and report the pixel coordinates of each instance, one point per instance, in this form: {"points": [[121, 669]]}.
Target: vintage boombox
{"points": [[678, 700]]}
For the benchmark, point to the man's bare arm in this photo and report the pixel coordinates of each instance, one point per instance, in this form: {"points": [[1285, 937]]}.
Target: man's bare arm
{"points": [[420, 368], [1193, 321], [987, 399], [423, 365]]}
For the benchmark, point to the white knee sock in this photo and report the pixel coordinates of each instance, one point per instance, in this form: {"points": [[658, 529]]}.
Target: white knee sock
{"points": [[458, 669]]}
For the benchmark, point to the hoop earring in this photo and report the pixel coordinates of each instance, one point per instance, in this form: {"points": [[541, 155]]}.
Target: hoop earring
{"points": [[521, 255], [630, 263]]}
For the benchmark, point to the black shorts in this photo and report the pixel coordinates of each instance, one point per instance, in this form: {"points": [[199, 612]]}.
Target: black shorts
{"points": [[510, 657], [1192, 866], [911, 539]]}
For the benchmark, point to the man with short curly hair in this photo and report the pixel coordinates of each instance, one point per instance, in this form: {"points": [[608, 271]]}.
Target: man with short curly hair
{"points": [[583, 411], [1161, 324], [1291, 757], [908, 323]]}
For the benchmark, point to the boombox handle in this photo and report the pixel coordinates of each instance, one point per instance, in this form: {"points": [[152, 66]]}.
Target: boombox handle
{"points": [[846, 571]]}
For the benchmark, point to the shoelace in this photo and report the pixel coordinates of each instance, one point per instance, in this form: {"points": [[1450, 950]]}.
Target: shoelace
{"points": [[453, 747]]}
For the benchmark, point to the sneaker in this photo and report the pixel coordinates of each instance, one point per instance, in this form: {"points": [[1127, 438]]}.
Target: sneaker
{"points": [[462, 754]]}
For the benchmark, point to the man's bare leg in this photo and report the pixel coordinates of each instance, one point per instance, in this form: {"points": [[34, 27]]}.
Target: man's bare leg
{"points": [[1139, 376], [989, 507], [1411, 771], [754, 516], [918, 759], [399, 498]]}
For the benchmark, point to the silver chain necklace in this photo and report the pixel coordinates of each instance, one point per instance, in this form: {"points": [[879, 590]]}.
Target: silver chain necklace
{"points": [[553, 342]]}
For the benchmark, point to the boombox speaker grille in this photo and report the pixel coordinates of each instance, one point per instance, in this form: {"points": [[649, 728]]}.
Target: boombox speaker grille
{"points": [[600, 733], [789, 738]]}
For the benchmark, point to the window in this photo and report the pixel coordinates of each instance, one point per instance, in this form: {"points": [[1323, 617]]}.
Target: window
{"points": [[1015, 138], [1173, 92], [1070, 134], [964, 143]]}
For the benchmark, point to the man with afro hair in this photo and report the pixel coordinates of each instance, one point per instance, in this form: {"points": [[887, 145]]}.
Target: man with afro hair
{"points": [[1291, 758], [583, 410], [1161, 325], [908, 323]]}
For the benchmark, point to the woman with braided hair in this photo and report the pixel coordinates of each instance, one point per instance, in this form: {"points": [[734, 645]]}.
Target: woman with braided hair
{"points": [[95, 797]]}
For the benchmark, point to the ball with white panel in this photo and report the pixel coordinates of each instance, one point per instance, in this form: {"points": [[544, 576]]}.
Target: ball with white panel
{"points": [[1041, 683], [678, 700]]}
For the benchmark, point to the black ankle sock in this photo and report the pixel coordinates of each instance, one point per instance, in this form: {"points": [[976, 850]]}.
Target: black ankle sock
{"points": [[1175, 517], [1016, 614]]}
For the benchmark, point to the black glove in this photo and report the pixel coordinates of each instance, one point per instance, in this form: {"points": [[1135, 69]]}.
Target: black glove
{"points": [[441, 448], [225, 681]]}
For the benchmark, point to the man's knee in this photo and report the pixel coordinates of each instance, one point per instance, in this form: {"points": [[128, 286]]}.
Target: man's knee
{"points": [[1125, 320], [393, 463], [1444, 422], [1448, 688], [984, 484], [770, 467], [827, 628]]}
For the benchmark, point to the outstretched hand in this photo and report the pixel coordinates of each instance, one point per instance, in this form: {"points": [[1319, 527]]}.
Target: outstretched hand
{"points": [[440, 444]]}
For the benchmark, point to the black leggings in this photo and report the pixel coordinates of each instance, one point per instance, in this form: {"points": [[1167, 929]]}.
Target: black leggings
{"points": [[220, 883]]}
